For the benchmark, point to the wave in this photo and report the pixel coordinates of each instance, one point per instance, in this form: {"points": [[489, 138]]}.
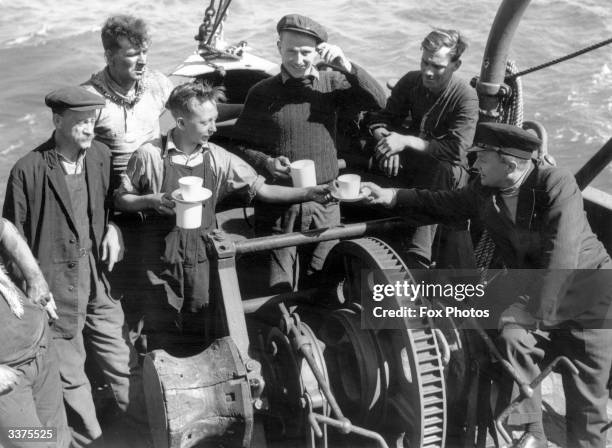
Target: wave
{"points": [[12, 147], [45, 35]]}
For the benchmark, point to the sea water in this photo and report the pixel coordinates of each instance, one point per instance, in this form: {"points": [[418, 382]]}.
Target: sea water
{"points": [[46, 44]]}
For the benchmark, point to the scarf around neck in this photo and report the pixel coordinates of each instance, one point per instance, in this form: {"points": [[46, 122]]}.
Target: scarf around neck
{"points": [[106, 85]]}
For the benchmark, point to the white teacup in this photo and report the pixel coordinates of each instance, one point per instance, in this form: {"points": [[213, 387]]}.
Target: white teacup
{"points": [[190, 187], [188, 215], [303, 173], [348, 185]]}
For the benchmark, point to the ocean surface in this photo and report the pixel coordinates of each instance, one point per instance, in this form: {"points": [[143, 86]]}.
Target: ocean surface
{"points": [[45, 44]]}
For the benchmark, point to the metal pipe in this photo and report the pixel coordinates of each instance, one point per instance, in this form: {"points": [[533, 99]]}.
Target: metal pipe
{"points": [[593, 167], [524, 387], [542, 135], [493, 69], [319, 235], [569, 365], [350, 428], [253, 305]]}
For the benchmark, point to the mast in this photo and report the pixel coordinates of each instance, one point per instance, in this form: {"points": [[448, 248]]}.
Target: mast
{"points": [[493, 69]]}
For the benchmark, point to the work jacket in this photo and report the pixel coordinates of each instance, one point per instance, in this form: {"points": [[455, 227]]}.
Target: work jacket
{"points": [[38, 203], [550, 234]]}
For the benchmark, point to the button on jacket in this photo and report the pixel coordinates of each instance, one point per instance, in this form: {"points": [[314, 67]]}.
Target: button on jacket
{"points": [[38, 203]]}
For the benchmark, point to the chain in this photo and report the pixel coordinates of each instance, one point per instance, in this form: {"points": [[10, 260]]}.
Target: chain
{"points": [[209, 13]]}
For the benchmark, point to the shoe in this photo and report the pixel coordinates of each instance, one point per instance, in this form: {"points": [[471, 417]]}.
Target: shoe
{"points": [[528, 440]]}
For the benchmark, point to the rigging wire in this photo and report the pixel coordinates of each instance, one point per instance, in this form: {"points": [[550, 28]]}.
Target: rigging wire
{"points": [[561, 59]]}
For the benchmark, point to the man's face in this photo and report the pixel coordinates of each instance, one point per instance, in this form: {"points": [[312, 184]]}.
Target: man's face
{"points": [[298, 52], [199, 125], [437, 69], [127, 63], [494, 172], [77, 127]]}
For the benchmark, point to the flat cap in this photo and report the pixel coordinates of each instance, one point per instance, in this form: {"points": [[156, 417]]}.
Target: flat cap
{"points": [[74, 98], [505, 138], [304, 25]]}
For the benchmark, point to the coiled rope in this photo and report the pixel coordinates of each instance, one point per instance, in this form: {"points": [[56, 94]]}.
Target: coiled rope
{"points": [[510, 111], [510, 107]]}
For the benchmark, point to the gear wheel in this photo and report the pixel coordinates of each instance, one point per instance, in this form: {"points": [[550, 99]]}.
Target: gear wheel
{"points": [[414, 395]]}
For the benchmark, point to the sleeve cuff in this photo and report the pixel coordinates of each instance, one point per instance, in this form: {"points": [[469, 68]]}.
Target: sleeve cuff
{"points": [[259, 181]]}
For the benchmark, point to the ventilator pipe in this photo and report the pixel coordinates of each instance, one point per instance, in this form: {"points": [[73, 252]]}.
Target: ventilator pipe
{"points": [[493, 67]]}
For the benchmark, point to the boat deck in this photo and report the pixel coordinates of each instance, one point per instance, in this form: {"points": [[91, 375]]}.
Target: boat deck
{"points": [[119, 435]]}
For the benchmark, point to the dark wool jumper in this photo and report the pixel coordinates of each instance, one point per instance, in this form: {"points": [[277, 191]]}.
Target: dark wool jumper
{"points": [[297, 119], [447, 120]]}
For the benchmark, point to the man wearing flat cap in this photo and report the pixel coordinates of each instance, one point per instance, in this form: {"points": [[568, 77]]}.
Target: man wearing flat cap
{"points": [[58, 197], [536, 220], [293, 116]]}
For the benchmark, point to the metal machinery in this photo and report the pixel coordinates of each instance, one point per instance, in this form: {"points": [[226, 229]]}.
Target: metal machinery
{"points": [[298, 369], [295, 365]]}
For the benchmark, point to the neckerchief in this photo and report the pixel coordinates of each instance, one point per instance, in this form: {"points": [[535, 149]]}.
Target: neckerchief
{"points": [[106, 85]]}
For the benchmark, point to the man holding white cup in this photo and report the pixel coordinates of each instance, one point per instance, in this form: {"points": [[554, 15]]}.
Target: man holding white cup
{"points": [[185, 167], [291, 117]]}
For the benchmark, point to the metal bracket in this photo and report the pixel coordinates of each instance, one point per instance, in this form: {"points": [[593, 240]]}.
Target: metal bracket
{"points": [[220, 245]]}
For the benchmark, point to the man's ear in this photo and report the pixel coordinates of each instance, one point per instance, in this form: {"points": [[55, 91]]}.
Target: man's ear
{"points": [[457, 64], [108, 56], [180, 123], [57, 120], [278, 45], [512, 166]]}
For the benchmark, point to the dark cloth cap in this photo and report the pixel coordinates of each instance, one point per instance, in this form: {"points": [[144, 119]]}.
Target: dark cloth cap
{"points": [[505, 138], [74, 98], [304, 25]]}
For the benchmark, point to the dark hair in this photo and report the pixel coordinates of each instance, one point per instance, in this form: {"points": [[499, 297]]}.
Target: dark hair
{"points": [[452, 39], [133, 29], [178, 101]]}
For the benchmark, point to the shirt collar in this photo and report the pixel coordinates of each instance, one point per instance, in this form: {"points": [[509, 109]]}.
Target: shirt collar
{"points": [[171, 147], [312, 73], [65, 162]]}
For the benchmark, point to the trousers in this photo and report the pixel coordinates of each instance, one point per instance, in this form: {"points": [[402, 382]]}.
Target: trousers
{"points": [[586, 394], [423, 171], [103, 330], [36, 401], [285, 263]]}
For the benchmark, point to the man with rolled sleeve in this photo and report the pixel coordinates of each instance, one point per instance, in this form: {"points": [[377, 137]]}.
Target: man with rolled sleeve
{"points": [[174, 258], [535, 217], [134, 94], [426, 127], [30, 388], [292, 116], [58, 197]]}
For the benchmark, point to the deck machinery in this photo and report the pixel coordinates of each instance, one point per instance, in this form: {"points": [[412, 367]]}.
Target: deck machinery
{"points": [[297, 369]]}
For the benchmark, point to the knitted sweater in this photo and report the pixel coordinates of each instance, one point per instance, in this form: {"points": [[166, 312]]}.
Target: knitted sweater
{"points": [[447, 121], [297, 118]]}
